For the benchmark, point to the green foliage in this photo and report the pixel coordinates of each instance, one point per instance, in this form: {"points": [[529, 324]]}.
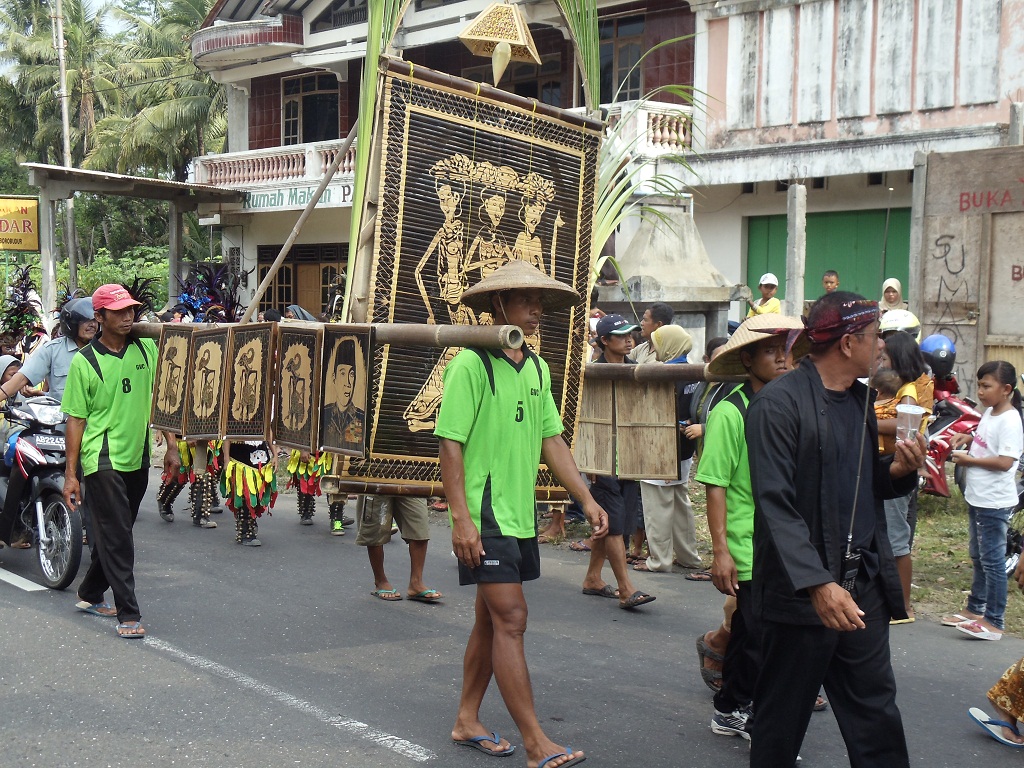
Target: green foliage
{"points": [[580, 17], [139, 262]]}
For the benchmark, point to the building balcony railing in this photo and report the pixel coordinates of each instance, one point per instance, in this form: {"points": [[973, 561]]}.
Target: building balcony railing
{"points": [[655, 130], [271, 167]]}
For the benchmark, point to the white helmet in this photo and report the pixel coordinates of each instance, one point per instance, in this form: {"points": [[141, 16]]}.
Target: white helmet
{"points": [[900, 320]]}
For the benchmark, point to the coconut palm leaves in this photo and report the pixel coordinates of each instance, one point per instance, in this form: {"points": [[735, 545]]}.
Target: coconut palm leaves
{"points": [[580, 18], [172, 111], [382, 24]]}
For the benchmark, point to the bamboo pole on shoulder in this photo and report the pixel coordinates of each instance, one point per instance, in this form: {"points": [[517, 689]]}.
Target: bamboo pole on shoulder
{"points": [[313, 200]]}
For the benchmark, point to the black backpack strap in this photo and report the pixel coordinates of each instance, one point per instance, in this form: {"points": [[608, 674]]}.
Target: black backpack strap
{"points": [[142, 351], [736, 397], [536, 363], [89, 353], [485, 358]]}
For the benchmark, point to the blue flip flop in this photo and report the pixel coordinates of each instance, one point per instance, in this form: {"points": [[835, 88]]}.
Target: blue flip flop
{"points": [[494, 737], [106, 610], [992, 727], [568, 751]]}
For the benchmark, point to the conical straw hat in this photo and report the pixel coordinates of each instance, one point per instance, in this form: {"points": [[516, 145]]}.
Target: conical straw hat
{"points": [[519, 274], [753, 330]]}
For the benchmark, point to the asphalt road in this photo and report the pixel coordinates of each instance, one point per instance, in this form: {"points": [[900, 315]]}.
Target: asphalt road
{"points": [[279, 656]]}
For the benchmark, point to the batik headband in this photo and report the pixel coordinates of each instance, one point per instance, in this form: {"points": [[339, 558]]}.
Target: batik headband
{"points": [[837, 320]]}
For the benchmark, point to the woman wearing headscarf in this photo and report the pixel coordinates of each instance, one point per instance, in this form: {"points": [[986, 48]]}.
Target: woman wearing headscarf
{"points": [[892, 296], [668, 516]]}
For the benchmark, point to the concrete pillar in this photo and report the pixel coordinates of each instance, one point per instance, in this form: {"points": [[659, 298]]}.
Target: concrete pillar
{"points": [[174, 249], [1015, 136], [47, 257], [796, 249]]}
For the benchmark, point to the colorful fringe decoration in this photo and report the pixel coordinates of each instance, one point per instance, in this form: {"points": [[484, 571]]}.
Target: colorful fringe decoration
{"points": [[250, 488], [306, 474], [214, 460]]}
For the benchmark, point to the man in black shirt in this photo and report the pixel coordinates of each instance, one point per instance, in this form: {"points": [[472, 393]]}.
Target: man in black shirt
{"points": [[818, 486]]}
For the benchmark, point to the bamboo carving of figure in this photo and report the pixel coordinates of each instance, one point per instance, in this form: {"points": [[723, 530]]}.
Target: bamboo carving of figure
{"points": [[207, 385], [296, 393], [537, 192], [250, 381], [170, 383], [450, 176]]}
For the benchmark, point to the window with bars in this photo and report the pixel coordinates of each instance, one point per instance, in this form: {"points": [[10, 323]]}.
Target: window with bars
{"points": [[330, 258], [340, 13], [281, 291], [309, 108], [621, 46]]}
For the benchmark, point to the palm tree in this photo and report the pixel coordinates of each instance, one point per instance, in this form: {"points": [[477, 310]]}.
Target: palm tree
{"points": [[173, 111], [31, 92]]}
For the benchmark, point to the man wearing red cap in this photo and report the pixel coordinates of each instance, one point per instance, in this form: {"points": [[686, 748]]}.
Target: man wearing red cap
{"points": [[107, 400]]}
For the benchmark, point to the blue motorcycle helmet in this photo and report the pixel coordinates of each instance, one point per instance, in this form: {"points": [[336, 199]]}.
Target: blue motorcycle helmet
{"points": [[940, 353]]}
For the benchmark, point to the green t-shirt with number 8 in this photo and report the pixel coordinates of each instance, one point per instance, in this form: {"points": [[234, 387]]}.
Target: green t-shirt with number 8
{"points": [[113, 394]]}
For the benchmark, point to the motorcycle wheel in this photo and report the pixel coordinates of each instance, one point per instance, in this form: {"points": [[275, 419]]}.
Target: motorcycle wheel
{"points": [[59, 560]]}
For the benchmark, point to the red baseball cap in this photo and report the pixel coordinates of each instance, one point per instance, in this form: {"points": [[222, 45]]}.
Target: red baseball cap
{"points": [[113, 296]]}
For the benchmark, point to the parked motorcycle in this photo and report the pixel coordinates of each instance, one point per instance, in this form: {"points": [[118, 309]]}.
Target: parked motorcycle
{"points": [[951, 416], [32, 487]]}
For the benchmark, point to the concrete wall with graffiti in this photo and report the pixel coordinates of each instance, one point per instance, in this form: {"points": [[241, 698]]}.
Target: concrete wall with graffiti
{"points": [[967, 259]]}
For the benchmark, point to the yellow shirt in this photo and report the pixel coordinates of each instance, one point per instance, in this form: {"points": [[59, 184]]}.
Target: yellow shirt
{"points": [[772, 306]]}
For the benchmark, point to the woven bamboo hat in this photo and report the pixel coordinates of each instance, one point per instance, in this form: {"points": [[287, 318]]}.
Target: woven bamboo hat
{"points": [[519, 274], [753, 330]]}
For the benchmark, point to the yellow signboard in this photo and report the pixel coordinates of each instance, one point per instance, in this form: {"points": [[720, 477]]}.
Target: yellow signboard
{"points": [[19, 223]]}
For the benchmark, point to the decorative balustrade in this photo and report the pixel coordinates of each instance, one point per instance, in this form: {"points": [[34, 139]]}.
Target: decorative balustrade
{"points": [[271, 167], [655, 128]]}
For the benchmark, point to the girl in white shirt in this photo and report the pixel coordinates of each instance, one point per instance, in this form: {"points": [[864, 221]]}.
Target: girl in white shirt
{"points": [[991, 494]]}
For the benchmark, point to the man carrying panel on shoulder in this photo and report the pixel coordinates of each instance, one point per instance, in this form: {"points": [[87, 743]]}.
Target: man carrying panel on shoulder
{"points": [[107, 400], [497, 420], [824, 578]]}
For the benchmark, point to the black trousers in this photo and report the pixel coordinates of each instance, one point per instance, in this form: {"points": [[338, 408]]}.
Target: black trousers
{"points": [[114, 499], [857, 672], [742, 656]]}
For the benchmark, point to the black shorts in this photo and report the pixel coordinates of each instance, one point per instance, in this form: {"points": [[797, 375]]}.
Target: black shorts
{"points": [[506, 560], [621, 500]]}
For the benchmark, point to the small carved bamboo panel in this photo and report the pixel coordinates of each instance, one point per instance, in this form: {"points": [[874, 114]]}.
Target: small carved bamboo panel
{"points": [[297, 415], [249, 389], [628, 429], [173, 374]]}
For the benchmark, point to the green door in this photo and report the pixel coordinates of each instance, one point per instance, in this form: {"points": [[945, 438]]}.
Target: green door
{"points": [[850, 242]]}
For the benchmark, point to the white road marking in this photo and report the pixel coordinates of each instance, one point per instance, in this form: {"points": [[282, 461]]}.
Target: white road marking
{"points": [[353, 727], [17, 581]]}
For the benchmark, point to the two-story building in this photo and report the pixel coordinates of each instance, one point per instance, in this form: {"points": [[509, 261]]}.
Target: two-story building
{"points": [[292, 71], [839, 95]]}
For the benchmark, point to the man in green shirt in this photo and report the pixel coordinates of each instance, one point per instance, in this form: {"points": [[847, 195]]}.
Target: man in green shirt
{"points": [[757, 349], [497, 420], [107, 400]]}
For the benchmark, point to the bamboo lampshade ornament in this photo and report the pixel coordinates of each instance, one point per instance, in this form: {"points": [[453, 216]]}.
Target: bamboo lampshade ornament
{"points": [[501, 33]]}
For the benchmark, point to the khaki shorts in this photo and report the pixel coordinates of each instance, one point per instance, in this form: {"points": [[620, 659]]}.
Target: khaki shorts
{"points": [[375, 513]]}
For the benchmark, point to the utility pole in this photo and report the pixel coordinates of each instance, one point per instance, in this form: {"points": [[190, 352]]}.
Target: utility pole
{"points": [[69, 204]]}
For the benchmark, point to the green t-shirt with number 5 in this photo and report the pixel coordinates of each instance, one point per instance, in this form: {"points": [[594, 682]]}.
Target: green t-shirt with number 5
{"points": [[500, 411], [112, 392]]}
